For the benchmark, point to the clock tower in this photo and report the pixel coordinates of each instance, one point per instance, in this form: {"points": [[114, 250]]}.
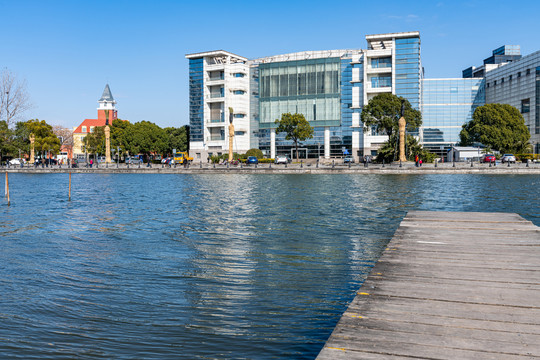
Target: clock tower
{"points": [[107, 107]]}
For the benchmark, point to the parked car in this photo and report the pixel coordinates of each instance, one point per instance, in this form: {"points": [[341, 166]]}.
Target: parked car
{"points": [[252, 160], [508, 158], [133, 160], [488, 158], [16, 161], [281, 160], [348, 159]]}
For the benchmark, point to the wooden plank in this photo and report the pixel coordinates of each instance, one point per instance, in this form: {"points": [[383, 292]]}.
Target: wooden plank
{"points": [[449, 285]]}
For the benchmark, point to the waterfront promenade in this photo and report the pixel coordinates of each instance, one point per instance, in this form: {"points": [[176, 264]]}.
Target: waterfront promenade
{"points": [[295, 168], [450, 285]]}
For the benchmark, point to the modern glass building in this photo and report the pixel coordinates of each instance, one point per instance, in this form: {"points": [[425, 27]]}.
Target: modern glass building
{"points": [[315, 84], [447, 104], [331, 87]]}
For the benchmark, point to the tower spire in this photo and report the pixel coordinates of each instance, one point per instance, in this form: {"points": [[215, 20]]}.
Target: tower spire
{"points": [[107, 95]]}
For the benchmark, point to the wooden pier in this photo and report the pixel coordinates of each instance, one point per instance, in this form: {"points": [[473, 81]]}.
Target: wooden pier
{"points": [[450, 285]]}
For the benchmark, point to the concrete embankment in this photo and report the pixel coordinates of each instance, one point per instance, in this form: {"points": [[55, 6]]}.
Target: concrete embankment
{"points": [[294, 169]]}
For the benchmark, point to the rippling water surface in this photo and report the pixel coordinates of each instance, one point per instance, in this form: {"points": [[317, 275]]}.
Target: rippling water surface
{"points": [[206, 266]]}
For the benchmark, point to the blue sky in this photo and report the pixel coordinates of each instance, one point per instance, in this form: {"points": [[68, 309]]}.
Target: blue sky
{"points": [[68, 50]]}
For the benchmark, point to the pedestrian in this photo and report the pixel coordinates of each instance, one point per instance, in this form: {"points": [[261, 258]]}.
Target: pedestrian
{"points": [[91, 163], [416, 160], [420, 162]]}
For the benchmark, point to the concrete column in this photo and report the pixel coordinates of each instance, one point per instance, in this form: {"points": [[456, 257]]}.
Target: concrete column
{"points": [[327, 142], [355, 143], [273, 143]]}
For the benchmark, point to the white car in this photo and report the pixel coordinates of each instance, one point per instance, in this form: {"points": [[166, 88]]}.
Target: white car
{"points": [[508, 158], [281, 160], [16, 161]]}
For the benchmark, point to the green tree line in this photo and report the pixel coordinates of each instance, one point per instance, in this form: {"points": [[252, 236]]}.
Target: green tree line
{"points": [[143, 137]]}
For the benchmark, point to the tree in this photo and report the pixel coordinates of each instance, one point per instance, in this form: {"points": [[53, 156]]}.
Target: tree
{"points": [[387, 151], [149, 138], [295, 127], [384, 111], [499, 126], [178, 138], [65, 135], [95, 141], [121, 136], [45, 140], [254, 152], [14, 100]]}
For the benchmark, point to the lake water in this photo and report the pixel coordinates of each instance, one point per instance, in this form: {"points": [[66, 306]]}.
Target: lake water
{"points": [[206, 266]]}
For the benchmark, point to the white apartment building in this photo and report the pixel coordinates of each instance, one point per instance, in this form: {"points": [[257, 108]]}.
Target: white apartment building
{"points": [[218, 81]]}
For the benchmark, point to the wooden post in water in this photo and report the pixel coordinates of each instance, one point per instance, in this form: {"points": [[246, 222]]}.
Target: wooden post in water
{"points": [[7, 189], [69, 196]]}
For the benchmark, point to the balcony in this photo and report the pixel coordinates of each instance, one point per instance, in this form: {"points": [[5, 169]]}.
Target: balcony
{"points": [[379, 70]]}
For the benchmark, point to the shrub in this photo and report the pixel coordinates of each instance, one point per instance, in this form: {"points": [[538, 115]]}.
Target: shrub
{"points": [[255, 152]]}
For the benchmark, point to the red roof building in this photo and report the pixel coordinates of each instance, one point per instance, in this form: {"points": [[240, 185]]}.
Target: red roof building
{"points": [[106, 104]]}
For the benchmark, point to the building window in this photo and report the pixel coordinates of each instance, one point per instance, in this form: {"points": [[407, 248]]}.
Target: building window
{"points": [[384, 62], [525, 106], [239, 75], [239, 116], [83, 129], [502, 81], [239, 133], [239, 92], [519, 74], [528, 72], [91, 129], [381, 81], [495, 83], [510, 78]]}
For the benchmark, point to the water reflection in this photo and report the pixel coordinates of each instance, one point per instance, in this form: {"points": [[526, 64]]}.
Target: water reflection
{"points": [[219, 266]]}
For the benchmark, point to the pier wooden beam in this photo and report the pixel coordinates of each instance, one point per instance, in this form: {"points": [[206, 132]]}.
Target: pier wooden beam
{"points": [[450, 285]]}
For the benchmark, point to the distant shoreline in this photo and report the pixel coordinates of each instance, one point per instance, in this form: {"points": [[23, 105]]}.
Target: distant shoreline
{"points": [[408, 168]]}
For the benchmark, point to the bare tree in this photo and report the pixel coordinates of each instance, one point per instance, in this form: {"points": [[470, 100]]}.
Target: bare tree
{"points": [[14, 99], [65, 135]]}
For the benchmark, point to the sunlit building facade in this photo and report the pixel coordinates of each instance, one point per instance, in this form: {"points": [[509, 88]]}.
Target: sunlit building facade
{"points": [[331, 87]]}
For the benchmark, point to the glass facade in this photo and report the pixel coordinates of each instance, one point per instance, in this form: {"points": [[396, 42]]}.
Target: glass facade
{"points": [[537, 110], [309, 87], [408, 70], [321, 89], [196, 100], [381, 81], [447, 104]]}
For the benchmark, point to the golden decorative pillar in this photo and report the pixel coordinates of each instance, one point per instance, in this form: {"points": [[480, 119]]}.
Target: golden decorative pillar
{"points": [[402, 123], [32, 139], [107, 139], [231, 134], [107, 144]]}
